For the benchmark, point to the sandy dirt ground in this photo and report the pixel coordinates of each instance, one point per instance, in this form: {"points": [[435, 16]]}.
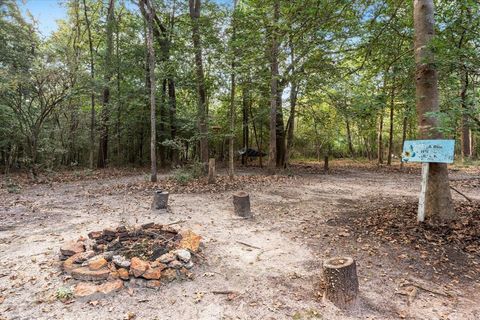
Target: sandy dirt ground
{"points": [[299, 222]]}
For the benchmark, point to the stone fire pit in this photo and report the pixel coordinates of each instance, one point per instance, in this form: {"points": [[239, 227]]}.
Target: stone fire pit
{"points": [[138, 256]]}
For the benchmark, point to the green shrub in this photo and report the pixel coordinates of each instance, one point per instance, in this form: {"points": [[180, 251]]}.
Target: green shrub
{"points": [[188, 173]]}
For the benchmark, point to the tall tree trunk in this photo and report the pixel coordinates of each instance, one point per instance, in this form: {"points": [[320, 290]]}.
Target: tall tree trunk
{"points": [[404, 134], [172, 103], [103, 145], [162, 134], [280, 131], [195, 6], [245, 112], [293, 104], [92, 78], [151, 82], [232, 99], [380, 140], [392, 110], [465, 135], [438, 201], [272, 155], [119, 97], [291, 122], [349, 137]]}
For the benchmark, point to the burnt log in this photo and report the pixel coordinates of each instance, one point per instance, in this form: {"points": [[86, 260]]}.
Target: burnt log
{"points": [[160, 200], [241, 204], [341, 282]]}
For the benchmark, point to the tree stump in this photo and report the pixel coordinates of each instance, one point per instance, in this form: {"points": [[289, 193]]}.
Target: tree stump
{"points": [[241, 204], [341, 282], [160, 199], [211, 170]]}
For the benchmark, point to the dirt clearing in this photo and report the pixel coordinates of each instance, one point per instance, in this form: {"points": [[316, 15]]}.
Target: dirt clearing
{"points": [[268, 267]]}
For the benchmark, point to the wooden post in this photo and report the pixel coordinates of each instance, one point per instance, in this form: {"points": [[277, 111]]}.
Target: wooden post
{"points": [[211, 170], [160, 200], [341, 282], [241, 204], [423, 192]]}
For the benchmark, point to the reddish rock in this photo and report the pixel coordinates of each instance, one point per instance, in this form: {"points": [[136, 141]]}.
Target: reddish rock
{"points": [[110, 286], [114, 275], [157, 264], [95, 234], [153, 284], [72, 247], [138, 266], [123, 273], [84, 289], [185, 274], [169, 275], [190, 240], [97, 263], [152, 273], [70, 263], [84, 256], [84, 273]]}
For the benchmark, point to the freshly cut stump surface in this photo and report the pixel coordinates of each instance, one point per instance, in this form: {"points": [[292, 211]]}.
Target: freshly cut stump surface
{"points": [[341, 282], [241, 204]]}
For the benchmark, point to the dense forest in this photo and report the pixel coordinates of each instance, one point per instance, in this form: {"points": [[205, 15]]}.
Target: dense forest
{"points": [[291, 79]]}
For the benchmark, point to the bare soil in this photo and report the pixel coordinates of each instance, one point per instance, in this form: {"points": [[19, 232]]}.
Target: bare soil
{"points": [[272, 262]]}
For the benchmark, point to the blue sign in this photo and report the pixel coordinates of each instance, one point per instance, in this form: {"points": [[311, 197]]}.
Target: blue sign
{"points": [[441, 151]]}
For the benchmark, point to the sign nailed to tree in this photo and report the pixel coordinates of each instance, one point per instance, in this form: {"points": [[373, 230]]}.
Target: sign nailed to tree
{"points": [[440, 151]]}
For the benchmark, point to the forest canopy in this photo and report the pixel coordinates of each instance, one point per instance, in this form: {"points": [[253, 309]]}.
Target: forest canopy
{"points": [[339, 76]]}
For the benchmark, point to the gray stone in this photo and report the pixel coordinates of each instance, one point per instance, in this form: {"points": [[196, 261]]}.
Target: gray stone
{"points": [[183, 255], [175, 264], [108, 255], [189, 265], [121, 261], [167, 257]]}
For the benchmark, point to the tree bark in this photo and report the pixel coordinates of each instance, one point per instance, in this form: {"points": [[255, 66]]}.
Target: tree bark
{"points": [[280, 130], [293, 105], [341, 282], [438, 201], [195, 6], [153, 118], [392, 110], [349, 137], [103, 143], [465, 130], [211, 170], [160, 200], [245, 113], [241, 204], [380, 140], [272, 155], [92, 95], [404, 134], [232, 100]]}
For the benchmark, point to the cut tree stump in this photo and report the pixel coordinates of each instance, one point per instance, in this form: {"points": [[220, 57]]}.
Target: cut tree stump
{"points": [[241, 204], [341, 282], [160, 199], [211, 170]]}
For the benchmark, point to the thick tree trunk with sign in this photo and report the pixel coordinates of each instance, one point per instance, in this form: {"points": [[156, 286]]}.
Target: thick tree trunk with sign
{"points": [[438, 200]]}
